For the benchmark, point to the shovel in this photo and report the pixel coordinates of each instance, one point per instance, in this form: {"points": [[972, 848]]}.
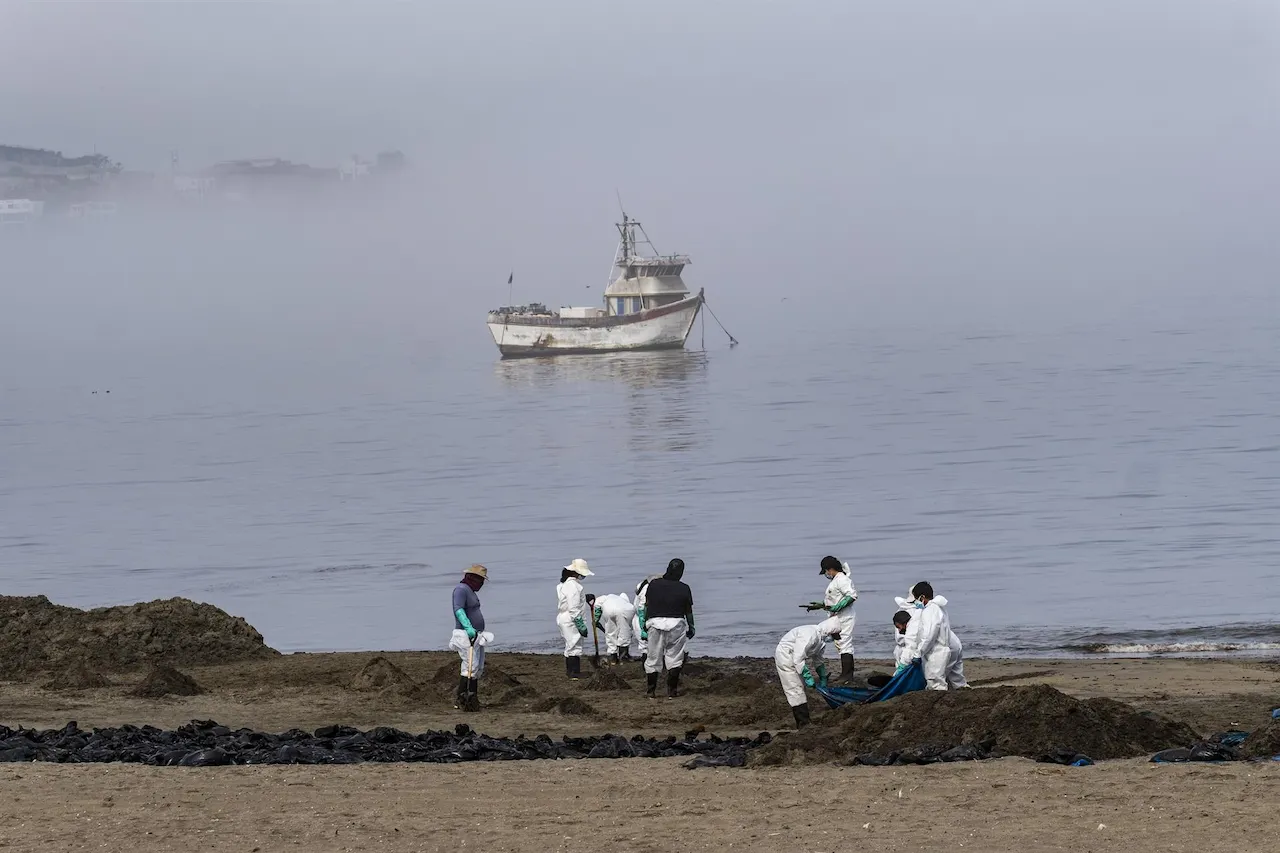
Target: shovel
{"points": [[471, 702], [595, 658]]}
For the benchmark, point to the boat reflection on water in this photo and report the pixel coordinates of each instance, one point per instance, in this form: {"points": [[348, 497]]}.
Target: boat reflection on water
{"points": [[665, 390]]}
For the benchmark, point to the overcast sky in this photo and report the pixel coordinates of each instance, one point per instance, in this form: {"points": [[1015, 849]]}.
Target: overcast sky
{"points": [[903, 160]]}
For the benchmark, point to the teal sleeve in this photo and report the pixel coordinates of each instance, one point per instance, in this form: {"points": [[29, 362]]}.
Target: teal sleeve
{"points": [[462, 618], [580, 625], [842, 604], [640, 614], [597, 614]]}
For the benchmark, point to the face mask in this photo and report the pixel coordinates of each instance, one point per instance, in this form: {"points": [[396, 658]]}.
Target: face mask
{"points": [[919, 605]]}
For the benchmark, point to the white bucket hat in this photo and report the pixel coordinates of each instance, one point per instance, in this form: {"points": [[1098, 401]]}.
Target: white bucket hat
{"points": [[579, 568]]}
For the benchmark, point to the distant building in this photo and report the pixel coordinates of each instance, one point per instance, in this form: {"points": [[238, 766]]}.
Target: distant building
{"points": [[354, 169], [194, 186], [20, 211]]}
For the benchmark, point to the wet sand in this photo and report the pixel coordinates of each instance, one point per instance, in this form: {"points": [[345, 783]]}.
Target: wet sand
{"points": [[1006, 804]]}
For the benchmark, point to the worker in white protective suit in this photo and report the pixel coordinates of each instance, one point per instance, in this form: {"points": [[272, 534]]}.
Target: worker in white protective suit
{"points": [[838, 601], [571, 614], [933, 641], [799, 661], [901, 645], [613, 614], [642, 637]]}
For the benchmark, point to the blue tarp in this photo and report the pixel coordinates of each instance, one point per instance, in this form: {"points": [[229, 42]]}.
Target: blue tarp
{"points": [[910, 679]]}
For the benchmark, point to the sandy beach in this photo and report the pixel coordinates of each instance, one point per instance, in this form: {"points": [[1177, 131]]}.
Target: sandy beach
{"points": [[642, 804]]}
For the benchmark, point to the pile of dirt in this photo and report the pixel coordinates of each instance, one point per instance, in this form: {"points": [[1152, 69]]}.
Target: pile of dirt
{"points": [[510, 697], [76, 676], [37, 635], [606, 680], [569, 706], [1263, 742], [383, 676], [1031, 721], [166, 681], [491, 676]]}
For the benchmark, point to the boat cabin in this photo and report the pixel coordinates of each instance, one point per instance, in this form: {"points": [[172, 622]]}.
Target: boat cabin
{"points": [[643, 282]]}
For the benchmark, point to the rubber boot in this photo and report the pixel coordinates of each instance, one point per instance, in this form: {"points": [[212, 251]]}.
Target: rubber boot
{"points": [[651, 688], [624, 655], [575, 668], [801, 713], [473, 695], [644, 657], [460, 699], [846, 667], [673, 682], [568, 667], [613, 659]]}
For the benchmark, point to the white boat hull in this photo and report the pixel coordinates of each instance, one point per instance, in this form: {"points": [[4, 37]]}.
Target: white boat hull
{"points": [[656, 328]]}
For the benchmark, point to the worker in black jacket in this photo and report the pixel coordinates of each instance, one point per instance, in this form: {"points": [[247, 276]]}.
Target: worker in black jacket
{"points": [[666, 625]]}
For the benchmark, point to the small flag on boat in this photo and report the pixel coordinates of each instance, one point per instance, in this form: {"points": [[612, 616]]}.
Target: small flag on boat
{"points": [[511, 277]]}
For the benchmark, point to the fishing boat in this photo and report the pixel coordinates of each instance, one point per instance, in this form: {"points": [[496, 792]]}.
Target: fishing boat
{"points": [[646, 307]]}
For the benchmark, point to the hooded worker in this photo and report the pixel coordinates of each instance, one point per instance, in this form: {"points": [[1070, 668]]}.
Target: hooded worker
{"points": [[571, 614], [934, 643], [799, 661], [469, 637], [838, 601], [901, 647], [666, 624], [613, 614]]}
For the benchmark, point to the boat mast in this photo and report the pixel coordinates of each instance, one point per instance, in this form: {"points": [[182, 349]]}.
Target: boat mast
{"points": [[626, 246]]}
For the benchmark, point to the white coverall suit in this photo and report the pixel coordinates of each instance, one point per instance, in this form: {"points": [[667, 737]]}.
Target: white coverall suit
{"points": [[905, 644], [801, 647], [840, 588], [641, 643], [938, 647], [571, 604], [616, 614]]}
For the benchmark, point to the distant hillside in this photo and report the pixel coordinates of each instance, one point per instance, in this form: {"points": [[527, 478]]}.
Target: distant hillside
{"points": [[52, 159]]}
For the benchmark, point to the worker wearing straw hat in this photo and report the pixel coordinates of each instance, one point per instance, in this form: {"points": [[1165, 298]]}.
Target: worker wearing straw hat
{"points": [[469, 637]]}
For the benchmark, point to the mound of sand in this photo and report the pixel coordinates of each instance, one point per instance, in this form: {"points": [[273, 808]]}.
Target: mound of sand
{"points": [[1262, 742], [76, 676], [569, 706], [510, 697], [166, 681], [37, 635], [383, 676], [492, 676], [1028, 721], [605, 680]]}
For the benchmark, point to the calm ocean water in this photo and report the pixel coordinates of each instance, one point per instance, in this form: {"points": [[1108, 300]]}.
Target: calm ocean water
{"points": [[1107, 486]]}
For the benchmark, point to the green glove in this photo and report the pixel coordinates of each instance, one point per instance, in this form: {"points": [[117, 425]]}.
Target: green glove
{"points": [[689, 618], [461, 616], [597, 615], [841, 604], [644, 630], [822, 674], [582, 626], [900, 668], [807, 676]]}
